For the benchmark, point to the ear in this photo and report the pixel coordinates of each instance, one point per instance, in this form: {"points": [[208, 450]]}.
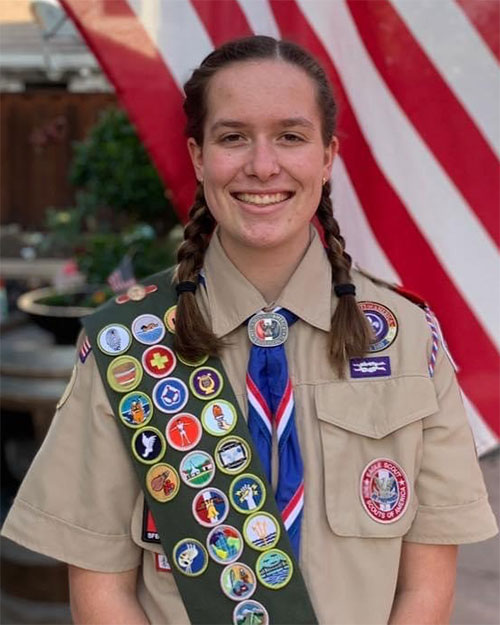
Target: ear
{"points": [[195, 152], [331, 152]]}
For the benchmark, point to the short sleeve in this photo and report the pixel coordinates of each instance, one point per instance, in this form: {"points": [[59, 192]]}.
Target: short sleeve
{"points": [[453, 503], [76, 501]]}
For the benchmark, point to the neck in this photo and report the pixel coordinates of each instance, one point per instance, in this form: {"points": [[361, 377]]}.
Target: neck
{"points": [[268, 269]]}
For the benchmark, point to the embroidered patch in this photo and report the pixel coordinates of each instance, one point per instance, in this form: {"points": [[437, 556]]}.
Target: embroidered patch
{"points": [[148, 445], [149, 532], [170, 395], [162, 482], [195, 363], [219, 417], [210, 507], [224, 544], [158, 361], [85, 350], [261, 531], [274, 569], [383, 322], [374, 367], [161, 563], [183, 431], [148, 329], [114, 339], [384, 490], [247, 493], [190, 557], [248, 612], [169, 319], [206, 383], [136, 293], [135, 409], [197, 469], [124, 374], [238, 581], [232, 455]]}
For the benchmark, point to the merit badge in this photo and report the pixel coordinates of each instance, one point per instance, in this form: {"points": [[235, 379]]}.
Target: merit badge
{"points": [[170, 395], [136, 293], [169, 319], [268, 329], [224, 544], [219, 417], [124, 374], [195, 363], [161, 562], [149, 532], [383, 323], [274, 569], [238, 581], [114, 339], [85, 350], [249, 612], [159, 361], [135, 409], [206, 382], [190, 557], [374, 367], [148, 329], [261, 531], [232, 455], [162, 482], [384, 490], [148, 445], [247, 493], [183, 431], [197, 469], [210, 507]]}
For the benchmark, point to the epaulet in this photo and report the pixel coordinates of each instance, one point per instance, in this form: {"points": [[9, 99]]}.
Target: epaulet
{"points": [[397, 288]]}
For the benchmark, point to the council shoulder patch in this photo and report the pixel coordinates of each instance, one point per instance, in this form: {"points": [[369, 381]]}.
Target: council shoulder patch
{"points": [[383, 323], [384, 490]]}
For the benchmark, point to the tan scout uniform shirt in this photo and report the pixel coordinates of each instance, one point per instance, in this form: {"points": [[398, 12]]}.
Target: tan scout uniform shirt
{"points": [[81, 502]]}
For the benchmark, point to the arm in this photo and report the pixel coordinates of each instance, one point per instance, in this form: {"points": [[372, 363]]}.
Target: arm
{"points": [[103, 598], [425, 587]]}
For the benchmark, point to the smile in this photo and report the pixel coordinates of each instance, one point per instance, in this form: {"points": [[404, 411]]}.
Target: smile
{"points": [[262, 199]]}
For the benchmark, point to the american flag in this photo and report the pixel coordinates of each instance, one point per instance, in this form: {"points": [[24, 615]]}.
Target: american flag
{"points": [[122, 277], [416, 187]]}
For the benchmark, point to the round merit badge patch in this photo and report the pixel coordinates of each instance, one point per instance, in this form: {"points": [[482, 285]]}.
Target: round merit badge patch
{"points": [[383, 323], [148, 329], [238, 581], [219, 417], [274, 569], [249, 612], [261, 531], [169, 319], [114, 339], [384, 490], [210, 507], [162, 482], [184, 431], [197, 469], [193, 363], [148, 445], [247, 493], [232, 455], [158, 361], [206, 382], [170, 395], [190, 557], [124, 374], [224, 544], [135, 409]]}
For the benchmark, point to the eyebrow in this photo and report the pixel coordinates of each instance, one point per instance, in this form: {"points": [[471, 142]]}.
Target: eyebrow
{"points": [[284, 123]]}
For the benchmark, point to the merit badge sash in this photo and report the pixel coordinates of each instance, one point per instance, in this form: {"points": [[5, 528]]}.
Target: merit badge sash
{"points": [[213, 508]]}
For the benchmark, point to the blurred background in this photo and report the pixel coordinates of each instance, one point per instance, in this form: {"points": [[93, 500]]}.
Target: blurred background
{"points": [[95, 182]]}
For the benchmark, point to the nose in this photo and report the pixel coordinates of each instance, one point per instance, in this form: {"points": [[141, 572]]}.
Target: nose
{"points": [[262, 160]]}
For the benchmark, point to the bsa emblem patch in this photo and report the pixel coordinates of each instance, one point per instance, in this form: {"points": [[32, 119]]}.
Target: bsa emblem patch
{"points": [[219, 417], [232, 455], [162, 563], [170, 395], [238, 581], [274, 569], [114, 339], [374, 367], [384, 490], [224, 544], [148, 445], [169, 319], [190, 557], [268, 329], [162, 482], [149, 531], [148, 329], [124, 374], [158, 361], [247, 493], [184, 431], [135, 409], [197, 469], [210, 507], [206, 382], [248, 612], [383, 322], [261, 531]]}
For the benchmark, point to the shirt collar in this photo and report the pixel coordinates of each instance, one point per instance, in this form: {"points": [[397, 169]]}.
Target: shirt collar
{"points": [[232, 298]]}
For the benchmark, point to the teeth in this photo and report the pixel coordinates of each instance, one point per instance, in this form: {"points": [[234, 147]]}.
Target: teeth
{"points": [[262, 200]]}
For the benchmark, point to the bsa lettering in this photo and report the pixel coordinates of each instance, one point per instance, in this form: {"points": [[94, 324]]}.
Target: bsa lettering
{"points": [[384, 490]]}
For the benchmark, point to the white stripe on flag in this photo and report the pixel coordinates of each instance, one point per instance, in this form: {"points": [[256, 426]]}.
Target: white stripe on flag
{"points": [[260, 17]]}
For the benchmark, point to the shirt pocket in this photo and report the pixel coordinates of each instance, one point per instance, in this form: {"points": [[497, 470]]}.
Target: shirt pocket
{"points": [[371, 437]]}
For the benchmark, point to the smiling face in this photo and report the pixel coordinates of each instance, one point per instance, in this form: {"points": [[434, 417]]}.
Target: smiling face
{"points": [[263, 158]]}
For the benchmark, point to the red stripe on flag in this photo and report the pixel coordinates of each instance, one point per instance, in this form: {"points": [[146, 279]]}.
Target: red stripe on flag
{"points": [[485, 15], [223, 19], [432, 108], [401, 239]]}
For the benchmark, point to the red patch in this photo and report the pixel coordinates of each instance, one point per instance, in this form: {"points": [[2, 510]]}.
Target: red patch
{"points": [[384, 490]]}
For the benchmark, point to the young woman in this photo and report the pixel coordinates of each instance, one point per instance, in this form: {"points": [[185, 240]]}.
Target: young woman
{"points": [[374, 472]]}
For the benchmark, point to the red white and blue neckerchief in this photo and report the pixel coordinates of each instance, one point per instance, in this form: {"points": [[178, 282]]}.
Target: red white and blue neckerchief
{"points": [[271, 405]]}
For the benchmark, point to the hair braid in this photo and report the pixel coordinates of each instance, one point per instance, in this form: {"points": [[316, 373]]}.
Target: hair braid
{"points": [[350, 333], [193, 338]]}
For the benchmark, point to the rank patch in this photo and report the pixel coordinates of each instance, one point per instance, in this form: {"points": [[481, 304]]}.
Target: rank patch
{"points": [[135, 409], [148, 329], [383, 323], [374, 367], [114, 339], [261, 531], [169, 319], [124, 374], [190, 557], [183, 431], [148, 445], [248, 612], [232, 455], [206, 383], [170, 395], [158, 361], [219, 417], [384, 490], [162, 482], [210, 507], [274, 569], [247, 493], [197, 469], [238, 581], [224, 544]]}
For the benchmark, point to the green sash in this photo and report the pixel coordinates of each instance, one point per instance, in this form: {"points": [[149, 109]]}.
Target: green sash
{"points": [[209, 596]]}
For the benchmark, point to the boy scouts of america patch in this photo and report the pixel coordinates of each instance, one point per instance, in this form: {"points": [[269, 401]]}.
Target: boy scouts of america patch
{"points": [[384, 490], [383, 323]]}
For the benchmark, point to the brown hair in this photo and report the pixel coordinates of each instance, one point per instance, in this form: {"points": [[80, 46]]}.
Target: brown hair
{"points": [[350, 333]]}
